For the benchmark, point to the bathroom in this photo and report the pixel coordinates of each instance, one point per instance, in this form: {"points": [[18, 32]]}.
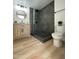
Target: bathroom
{"points": [[42, 20], [38, 24], [39, 29]]}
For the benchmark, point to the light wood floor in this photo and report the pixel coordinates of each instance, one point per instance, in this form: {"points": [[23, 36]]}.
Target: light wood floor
{"points": [[31, 48]]}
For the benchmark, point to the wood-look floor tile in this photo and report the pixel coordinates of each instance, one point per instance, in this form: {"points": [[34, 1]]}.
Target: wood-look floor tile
{"points": [[31, 48]]}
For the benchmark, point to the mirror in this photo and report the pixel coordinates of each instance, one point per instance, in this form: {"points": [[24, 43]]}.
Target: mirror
{"points": [[21, 15]]}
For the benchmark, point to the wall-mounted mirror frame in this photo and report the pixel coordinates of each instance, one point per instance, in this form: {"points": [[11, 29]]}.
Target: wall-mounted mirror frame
{"points": [[21, 15]]}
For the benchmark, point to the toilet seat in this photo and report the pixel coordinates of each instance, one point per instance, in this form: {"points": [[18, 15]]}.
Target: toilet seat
{"points": [[58, 36]]}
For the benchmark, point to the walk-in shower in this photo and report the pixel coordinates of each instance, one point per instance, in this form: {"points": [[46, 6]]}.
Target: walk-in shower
{"points": [[42, 22]]}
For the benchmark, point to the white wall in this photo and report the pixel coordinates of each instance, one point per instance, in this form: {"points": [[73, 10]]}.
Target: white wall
{"points": [[36, 4], [59, 15], [59, 5]]}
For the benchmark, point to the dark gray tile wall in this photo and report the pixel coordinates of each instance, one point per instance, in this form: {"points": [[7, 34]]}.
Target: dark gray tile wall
{"points": [[45, 19]]}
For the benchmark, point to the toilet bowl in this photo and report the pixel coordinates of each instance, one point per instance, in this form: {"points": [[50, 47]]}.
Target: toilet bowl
{"points": [[57, 39], [59, 34]]}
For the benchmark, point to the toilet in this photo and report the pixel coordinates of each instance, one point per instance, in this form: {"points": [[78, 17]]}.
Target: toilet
{"points": [[58, 36], [57, 39]]}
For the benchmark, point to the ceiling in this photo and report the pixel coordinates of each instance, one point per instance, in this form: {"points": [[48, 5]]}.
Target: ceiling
{"points": [[36, 4]]}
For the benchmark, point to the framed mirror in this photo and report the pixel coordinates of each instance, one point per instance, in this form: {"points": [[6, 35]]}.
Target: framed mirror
{"points": [[21, 15]]}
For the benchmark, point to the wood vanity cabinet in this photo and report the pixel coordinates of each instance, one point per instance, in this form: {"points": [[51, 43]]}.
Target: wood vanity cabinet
{"points": [[21, 31]]}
